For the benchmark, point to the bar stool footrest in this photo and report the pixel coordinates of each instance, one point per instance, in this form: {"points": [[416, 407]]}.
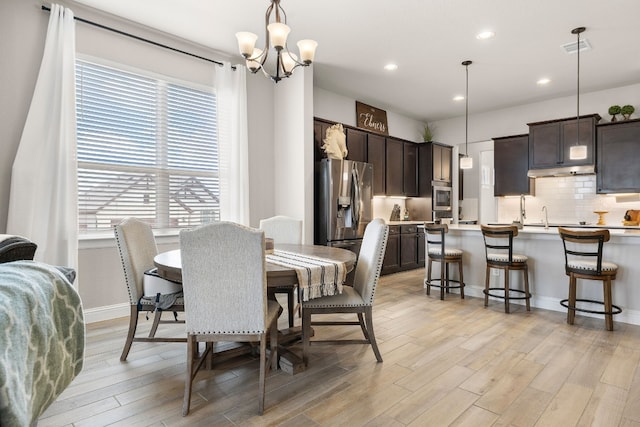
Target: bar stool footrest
{"points": [[433, 285], [526, 296], [615, 308]]}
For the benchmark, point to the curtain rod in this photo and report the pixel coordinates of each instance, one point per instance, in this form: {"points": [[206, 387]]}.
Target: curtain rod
{"points": [[133, 36]]}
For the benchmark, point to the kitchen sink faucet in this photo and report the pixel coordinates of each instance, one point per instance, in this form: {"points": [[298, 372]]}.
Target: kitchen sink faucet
{"points": [[546, 218], [523, 212]]}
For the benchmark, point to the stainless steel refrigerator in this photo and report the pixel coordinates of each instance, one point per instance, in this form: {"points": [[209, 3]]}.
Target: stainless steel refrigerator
{"points": [[343, 202]]}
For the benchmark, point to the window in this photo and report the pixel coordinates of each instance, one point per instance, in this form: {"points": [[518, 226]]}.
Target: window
{"points": [[146, 148]]}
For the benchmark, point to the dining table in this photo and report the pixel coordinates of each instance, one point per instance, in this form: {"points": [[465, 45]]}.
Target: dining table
{"points": [[169, 266]]}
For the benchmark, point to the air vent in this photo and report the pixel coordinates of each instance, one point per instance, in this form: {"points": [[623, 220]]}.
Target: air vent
{"points": [[571, 47]]}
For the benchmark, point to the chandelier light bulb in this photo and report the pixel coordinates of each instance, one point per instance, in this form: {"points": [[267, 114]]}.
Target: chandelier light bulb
{"points": [[278, 33], [246, 43]]}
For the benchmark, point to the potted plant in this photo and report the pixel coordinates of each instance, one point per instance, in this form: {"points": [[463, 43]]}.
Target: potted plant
{"points": [[613, 110], [427, 133], [627, 111]]}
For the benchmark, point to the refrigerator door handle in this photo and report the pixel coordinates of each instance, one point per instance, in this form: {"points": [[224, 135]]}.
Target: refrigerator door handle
{"points": [[355, 194]]}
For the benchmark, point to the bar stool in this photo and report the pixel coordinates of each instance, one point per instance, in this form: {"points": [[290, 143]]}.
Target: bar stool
{"points": [[498, 242], [438, 252], [583, 260]]}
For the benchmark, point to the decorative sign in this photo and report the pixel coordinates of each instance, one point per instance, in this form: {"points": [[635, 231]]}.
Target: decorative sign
{"points": [[371, 118]]}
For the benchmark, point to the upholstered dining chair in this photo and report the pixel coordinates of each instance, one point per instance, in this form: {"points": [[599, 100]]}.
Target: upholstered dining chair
{"points": [[137, 248], [357, 299], [225, 294], [283, 229]]}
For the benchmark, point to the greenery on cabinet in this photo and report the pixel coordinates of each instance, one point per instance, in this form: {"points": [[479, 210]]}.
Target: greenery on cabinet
{"points": [[627, 111], [427, 132]]}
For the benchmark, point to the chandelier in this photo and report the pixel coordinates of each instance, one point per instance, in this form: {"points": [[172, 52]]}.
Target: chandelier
{"points": [[276, 32]]}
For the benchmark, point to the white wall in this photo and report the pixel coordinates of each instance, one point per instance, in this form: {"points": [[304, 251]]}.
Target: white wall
{"points": [[334, 107]]}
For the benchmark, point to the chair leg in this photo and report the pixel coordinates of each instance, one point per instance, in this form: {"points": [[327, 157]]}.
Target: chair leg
{"points": [[363, 326], [571, 312], [461, 279], [486, 286], [156, 322], [188, 382], [506, 290], [429, 276], [368, 311], [263, 373], [292, 306], [306, 334], [446, 276], [526, 287], [442, 283], [608, 304], [273, 343], [133, 324]]}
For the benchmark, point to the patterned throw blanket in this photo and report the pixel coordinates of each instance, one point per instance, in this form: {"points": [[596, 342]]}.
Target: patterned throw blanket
{"points": [[41, 339], [317, 277]]}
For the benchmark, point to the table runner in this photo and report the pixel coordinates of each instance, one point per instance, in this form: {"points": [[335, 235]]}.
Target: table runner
{"points": [[317, 277]]}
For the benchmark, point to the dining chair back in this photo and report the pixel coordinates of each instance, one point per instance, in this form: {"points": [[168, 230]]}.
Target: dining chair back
{"points": [[137, 248], [357, 299], [225, 292], [284, 230]]}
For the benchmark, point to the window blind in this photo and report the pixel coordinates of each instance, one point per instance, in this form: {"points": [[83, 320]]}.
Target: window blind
{"points": [[146, 148]]}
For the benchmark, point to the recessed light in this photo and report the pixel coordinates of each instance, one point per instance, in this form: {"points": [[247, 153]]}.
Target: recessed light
{"points": [[485, 35], [391, 67], [543, 81], [458, 98]]}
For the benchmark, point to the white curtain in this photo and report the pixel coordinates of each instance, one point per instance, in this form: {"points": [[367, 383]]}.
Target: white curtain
{"points": [[231, 89], [42, 202]]}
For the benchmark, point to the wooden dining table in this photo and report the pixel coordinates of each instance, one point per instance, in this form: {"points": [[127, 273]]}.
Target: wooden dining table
{"points": [[169, 265]]}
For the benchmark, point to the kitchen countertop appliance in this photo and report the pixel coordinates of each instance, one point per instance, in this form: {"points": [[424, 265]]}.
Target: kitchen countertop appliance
{"points": [[343, 202]]}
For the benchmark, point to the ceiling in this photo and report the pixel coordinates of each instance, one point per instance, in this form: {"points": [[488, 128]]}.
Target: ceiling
{"points": [[428, 40]]}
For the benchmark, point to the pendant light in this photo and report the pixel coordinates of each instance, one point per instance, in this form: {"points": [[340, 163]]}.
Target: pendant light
{"points": [[466, 162], [578, 151]]}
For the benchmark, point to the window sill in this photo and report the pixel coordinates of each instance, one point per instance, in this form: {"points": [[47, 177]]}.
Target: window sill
{"points": [[106, 239]]}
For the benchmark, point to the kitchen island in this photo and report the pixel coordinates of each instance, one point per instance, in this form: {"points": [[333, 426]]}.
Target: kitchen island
{"points": [[547, 280]]}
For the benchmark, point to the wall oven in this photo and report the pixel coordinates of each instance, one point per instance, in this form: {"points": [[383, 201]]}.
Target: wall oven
{"points": [[441, 198]]}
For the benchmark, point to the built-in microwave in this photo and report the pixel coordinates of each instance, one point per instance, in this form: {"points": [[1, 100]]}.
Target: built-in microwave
{"points": [[441, 198]]}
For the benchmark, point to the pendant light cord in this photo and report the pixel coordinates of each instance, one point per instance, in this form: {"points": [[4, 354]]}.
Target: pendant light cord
{"points": [[578, 95], [466, 114]]}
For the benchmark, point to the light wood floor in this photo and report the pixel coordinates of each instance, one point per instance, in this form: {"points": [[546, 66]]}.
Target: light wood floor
{"points": [[449, 362]]}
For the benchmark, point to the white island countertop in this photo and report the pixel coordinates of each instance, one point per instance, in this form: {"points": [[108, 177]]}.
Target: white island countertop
{"points": [[548, 282]]}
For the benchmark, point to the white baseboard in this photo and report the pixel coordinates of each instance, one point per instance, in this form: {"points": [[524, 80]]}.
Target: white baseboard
{"points": [[106, 312], [631, 317]]}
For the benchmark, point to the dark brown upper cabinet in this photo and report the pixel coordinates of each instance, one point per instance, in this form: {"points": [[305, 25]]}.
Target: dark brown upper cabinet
{"points": [[356, 145], [395, 170], [425, 169], [550, 141], [377, 156], [441, 162], [410, 166], [511, 163], [618, 163]]}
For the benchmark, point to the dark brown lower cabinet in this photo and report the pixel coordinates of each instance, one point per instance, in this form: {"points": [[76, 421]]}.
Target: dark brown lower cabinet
{"points": [[405, 249], [391, 262]]}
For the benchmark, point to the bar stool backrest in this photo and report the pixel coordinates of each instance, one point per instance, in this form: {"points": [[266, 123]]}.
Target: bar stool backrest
{"points": [[434, 235], [583, 248], [498, 240]]}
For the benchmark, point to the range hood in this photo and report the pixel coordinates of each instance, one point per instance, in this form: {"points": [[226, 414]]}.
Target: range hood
{"points": [[562, 171]]}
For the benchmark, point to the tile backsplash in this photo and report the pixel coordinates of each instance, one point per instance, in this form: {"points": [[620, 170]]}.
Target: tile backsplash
{"points": [[568, 199]]}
